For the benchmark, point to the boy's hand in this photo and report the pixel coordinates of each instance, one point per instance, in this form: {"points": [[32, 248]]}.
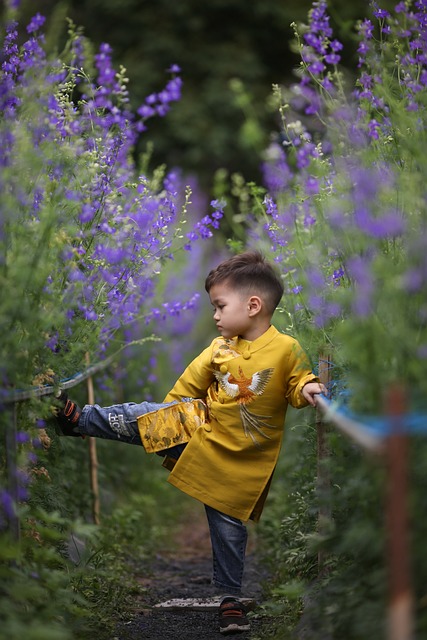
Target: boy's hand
{"points": [[311, 389]]}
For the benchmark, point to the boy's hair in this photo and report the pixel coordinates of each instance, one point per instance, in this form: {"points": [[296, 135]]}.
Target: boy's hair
{"points": [[249, 272]]}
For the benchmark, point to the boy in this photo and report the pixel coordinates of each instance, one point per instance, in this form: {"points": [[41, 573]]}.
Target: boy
{"points": [[225, 456]]}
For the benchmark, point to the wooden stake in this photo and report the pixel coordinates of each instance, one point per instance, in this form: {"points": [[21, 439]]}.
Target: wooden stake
{"points": [[93, 457], [323, 478], [400, 614]]}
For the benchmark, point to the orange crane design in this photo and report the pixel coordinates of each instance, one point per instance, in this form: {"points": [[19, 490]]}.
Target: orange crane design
{"points": [[244, 390]]}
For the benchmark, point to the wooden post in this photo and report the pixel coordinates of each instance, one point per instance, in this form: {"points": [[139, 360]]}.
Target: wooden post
{"points": [[400, 613], [93, 457], [323, 478]]}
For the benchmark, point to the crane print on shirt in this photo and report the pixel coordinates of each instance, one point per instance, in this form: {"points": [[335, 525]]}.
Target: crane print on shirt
{"points": [[244, 390]]}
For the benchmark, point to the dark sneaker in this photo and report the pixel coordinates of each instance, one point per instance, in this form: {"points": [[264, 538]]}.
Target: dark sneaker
{"points": [[232, 616], [68, 415]]}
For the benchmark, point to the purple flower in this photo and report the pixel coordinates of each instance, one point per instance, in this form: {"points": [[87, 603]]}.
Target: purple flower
{"points": [[365, 32], [304, 155], [323, 310], [36, 22], [87, 213], [90, 314], [219, 206], [7, 504], [145, 111], [309, 219], [312, 185], [111, 233], [22, 494], [270, 207], [373, 127], [151, 99], [315, 278], [319, 48], [414, 280], [36, 443], [276, 171], [359, 270], [380, 13], [313, 40], [22, 437], [332, 58], [338, 276], [159, 103], [336, 45], [316, 67], [400, 7]]}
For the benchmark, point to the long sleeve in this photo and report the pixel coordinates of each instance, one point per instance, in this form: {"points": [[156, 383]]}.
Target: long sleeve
{"points": [[195, 380], [299, 373]]}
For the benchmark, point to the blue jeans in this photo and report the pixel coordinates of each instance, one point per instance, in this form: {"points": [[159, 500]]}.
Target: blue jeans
{"points": [[228, 535], [119, 422], [228, 538]]}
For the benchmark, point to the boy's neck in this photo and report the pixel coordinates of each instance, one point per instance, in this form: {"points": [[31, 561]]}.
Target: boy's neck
{"points": [[256, 331]]}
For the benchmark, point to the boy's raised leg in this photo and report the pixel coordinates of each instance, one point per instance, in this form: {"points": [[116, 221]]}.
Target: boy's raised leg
{"points": [[145, 424]]}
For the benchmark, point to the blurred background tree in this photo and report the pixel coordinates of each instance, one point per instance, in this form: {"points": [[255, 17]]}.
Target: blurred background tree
{"points": [[230, 53]]}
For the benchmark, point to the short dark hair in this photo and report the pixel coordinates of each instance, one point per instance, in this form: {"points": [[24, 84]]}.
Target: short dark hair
{"points": [[252, 272]]}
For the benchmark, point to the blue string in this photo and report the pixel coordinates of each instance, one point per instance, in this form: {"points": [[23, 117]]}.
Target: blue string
{"points": [[18, 395], [411, 423]]}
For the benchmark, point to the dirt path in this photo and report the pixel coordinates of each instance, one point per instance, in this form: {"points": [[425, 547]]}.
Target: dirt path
{"points": [[185, 573]]}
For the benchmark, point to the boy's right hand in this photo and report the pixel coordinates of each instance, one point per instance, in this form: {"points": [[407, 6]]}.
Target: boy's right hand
{"points": [[312, 389]]}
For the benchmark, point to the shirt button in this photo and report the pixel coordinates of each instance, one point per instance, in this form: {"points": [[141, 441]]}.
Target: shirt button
{"points": [[223, 368], [207, 427], [246, 355]]}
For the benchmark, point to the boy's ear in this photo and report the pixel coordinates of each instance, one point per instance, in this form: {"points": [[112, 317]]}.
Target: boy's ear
{"points": [[254, 305]]}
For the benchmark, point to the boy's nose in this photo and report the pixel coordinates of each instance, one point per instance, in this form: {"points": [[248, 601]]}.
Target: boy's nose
{"points": [[215, 315]]}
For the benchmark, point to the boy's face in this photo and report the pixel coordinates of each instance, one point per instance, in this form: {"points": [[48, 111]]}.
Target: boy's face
{"points": [[232, 314]]}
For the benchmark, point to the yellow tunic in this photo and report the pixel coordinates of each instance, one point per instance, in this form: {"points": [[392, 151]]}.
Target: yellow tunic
{"points": [[229, 460]]}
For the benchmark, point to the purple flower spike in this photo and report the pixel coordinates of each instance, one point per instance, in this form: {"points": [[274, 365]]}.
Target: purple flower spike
{"points": [[22, 437], [36, 22], [379, 13], [7, 504], [359, 270]]}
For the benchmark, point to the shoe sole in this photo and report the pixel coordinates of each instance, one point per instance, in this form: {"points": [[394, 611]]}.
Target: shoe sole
{"points": [[233, 627]]}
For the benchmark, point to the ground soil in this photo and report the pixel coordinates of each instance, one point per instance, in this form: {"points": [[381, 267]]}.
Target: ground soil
{"points": [[185, 572]]}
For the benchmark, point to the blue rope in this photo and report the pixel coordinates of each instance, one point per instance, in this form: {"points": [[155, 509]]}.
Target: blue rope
{"points": [[412, 422], [18, 395], [381, 426]]}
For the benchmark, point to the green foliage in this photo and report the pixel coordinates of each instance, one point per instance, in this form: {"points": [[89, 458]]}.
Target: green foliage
{"points": [[46, 594], [343, 592], [217, 44], [66, 579], [69, 190], [347, 226], [37, 599], [347, 596], [344, 213]]}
